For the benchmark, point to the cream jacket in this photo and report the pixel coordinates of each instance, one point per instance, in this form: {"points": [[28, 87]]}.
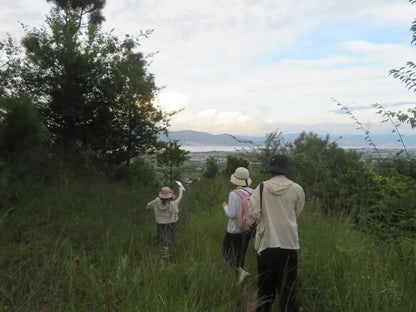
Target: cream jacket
{"points": [[282, 202], [168, 213]]}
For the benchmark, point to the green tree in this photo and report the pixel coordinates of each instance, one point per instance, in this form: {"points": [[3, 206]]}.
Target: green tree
{"points": [[137, 122], [92, 89], [171, 155], [143, 173], [273, 144], [21, 130], [234, 162], [330, 174], [92, 8], [211, 168]]}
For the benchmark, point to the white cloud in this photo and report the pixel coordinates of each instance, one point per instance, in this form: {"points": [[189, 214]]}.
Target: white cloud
{"points": [[229, 63], [399, 12], [387, 53]]}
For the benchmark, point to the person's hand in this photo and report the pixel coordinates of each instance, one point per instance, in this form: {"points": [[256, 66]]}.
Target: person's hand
{"points": [[224, 204], [180, 185]]}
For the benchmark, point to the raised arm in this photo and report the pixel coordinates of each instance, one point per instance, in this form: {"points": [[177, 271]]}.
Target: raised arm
{"points": [[178, 199]]}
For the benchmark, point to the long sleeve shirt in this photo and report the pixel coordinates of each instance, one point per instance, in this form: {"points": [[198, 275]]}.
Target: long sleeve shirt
{"points": [[233, 209], [168, 212]]}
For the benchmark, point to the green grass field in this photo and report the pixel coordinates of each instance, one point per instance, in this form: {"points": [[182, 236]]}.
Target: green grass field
{"points": [[122, 268]]}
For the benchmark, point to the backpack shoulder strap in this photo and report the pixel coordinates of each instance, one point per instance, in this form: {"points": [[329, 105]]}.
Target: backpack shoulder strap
{"points": [[242, 193]]}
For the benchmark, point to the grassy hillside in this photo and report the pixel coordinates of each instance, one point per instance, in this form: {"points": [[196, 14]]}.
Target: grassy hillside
{"points": [[122, 268]]}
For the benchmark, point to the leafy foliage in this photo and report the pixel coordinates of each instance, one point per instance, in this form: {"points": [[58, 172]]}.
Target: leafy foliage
{"points": [[143, 173], [171, 155], [211, 168], [406, 74], [234, 162], [92, 89], [337, 178], [21, 130], [360, 126], [93, 8], [391, 117], [273, 144]]}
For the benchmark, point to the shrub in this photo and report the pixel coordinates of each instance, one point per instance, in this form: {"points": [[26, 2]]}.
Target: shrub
{"points": [[337, 177], [211, 168], [235, 162], [21, 130], [143, 173]]}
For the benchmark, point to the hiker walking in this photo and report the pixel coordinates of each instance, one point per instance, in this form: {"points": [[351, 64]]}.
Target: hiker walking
{"points": [[166, 213], [275, 206], [236, 239]]}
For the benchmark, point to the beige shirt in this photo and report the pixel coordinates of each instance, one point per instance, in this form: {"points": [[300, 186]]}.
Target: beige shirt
{"points": [[282, 202], [168, 213]]}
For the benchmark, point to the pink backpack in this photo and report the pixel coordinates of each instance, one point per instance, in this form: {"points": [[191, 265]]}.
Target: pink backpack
{"points": [[242, 218]]}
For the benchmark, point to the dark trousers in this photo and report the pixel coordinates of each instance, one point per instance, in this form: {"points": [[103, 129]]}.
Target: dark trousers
{"points": [[234, 248], [277, 272], [165, 233]]}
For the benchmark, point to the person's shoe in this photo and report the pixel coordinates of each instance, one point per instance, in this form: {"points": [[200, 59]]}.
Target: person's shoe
{"points": [[242, 275]]}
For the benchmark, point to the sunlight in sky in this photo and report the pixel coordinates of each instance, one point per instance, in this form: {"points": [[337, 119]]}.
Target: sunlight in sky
{"points": [[248, 67]]}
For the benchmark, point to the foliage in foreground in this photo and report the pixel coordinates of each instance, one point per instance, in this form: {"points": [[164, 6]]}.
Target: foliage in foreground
{"points": [[121, 267]]}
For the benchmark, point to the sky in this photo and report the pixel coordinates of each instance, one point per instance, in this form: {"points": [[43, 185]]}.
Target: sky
{"points": [[250, 67]]}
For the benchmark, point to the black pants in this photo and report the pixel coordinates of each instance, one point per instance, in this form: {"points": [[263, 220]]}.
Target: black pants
{"points": [[277, 272], [165, 233], [234, 248]]}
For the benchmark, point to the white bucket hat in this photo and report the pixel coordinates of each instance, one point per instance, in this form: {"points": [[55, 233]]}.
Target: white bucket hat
{"points": [[241, 177]]}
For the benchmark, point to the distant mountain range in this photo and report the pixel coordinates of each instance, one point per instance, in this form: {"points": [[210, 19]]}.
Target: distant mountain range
{"points": [[195, 138]]}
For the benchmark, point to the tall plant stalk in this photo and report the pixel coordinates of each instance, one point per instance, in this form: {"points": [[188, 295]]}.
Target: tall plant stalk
{"points": [[390, 118], [360, 126]]}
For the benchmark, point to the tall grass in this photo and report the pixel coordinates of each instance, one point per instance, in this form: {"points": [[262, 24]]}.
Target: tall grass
{"points": [[122, 268], [342, 269]]}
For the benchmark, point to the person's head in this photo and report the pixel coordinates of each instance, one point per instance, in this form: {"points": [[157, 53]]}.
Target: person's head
{"points": [[165, 193], [241, 177], [279, 164]]}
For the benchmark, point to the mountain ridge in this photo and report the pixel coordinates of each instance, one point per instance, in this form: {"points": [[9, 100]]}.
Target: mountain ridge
{"points": [[195, 138]]}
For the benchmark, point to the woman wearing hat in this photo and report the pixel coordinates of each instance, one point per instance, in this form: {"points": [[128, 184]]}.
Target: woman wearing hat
{"points": [[236, 240], [166, 214], [275, 206]]}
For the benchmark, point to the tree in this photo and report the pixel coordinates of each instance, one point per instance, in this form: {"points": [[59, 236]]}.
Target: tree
{"points": [[172, 155], [21, 130], [235, 162], [261, 155], [211, 168], [330, 174], [92, 89], [93, 8]]}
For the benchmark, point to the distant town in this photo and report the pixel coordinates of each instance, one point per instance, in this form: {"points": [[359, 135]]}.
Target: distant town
{"points": [[366, 154]]}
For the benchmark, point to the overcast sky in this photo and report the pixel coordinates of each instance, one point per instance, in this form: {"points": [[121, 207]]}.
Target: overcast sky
{"points": [[254, 66]]}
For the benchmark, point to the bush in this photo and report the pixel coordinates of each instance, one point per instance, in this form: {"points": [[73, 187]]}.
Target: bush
{"points": [[211, 168], [337, 177], [235, 162], [21, 130], [143, 173]]}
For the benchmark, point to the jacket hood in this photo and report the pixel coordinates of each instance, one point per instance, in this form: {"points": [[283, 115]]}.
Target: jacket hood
{"points": [[163, 207], [278, 184]]}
